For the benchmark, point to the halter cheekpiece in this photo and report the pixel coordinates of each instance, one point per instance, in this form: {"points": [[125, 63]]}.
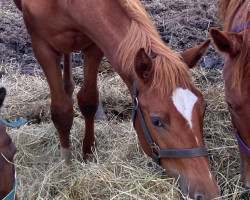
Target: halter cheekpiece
{"points": [[241, 143], [157, 152], [241, 27]]}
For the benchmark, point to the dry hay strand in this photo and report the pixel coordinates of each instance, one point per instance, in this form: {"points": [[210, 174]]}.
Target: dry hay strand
{"points": [[27, 96], [118, 169]]}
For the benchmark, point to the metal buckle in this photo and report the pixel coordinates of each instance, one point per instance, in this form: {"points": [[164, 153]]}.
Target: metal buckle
{"points": [[155, 147], [155, 153], [136, 102]]}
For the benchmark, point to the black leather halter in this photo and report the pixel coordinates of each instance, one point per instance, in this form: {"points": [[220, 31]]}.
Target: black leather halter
{"points": [[158, 153]]}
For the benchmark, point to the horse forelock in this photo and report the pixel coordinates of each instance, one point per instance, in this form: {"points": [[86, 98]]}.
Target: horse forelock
{"points": [[241, 67], [170, 71]]}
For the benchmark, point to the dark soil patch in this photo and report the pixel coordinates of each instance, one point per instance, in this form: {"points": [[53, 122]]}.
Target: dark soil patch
{"points": [[182, 24]]}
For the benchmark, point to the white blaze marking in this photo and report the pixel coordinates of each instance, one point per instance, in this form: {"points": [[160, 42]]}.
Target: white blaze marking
{"points": [[196, 138], [184, 101], [210, 175]]}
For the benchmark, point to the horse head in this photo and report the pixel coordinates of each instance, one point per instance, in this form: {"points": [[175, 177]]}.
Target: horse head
{"points": [[235, 48], [174, 122]]}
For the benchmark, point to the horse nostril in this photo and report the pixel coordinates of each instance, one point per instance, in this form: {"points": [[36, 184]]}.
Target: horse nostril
{"points": [[199, 197]]}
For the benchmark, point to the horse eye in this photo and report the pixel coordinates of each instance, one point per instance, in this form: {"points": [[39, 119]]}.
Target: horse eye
{"points": [[157, 122]]}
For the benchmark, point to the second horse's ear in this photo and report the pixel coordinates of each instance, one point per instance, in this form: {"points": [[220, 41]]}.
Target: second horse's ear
{"points": [[192, 56], [143, 65], [226, 42]]}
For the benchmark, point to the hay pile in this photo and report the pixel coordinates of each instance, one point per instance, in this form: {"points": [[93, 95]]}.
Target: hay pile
{"points": [[118, 169]]}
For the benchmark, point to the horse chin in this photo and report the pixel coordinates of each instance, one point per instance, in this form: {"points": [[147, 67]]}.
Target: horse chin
{"points": [[195, 187], [186, 189], [180, 180], [183, 185], [196, 195]]}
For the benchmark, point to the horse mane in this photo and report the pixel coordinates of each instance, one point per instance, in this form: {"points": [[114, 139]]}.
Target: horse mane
{"points": [[227, 10], [241, 66], [170, 71]]}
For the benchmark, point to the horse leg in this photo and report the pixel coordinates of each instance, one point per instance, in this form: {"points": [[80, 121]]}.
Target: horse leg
{"points": [[88, 96], [61, 106], [69, 84]]}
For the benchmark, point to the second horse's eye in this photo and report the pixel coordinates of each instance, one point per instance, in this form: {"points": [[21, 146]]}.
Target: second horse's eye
{"points": [[157, 122]]}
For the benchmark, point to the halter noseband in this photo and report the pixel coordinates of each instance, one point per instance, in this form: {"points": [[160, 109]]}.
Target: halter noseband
{"points": [[158, 153]]}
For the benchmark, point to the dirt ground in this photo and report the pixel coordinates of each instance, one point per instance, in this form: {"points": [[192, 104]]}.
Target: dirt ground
{"points": [[182, 24]]}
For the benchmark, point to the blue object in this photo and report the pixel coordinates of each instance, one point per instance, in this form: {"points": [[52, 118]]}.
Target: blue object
{"points": [[241, 27], [14, 124]]}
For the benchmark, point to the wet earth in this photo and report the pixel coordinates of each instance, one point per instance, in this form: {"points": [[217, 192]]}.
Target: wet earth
{"points": [[181, 24]]}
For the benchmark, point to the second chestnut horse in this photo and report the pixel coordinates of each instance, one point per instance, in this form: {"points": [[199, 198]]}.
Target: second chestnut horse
{"points": [[234, 43]]}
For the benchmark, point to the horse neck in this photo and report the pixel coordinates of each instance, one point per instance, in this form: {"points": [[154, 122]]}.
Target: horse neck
{"points": [[107, 27]]}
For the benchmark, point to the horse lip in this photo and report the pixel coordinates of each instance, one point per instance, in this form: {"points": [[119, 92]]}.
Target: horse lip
{"points": [[189, 189], [182, 185]]}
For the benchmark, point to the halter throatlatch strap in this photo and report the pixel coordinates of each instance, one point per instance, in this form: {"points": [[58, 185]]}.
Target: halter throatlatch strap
{"points": [[158, 153], [241, 143], [241, 27]]}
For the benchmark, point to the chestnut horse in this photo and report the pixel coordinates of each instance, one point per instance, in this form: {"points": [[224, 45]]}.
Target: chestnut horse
{"points": [[8, 182], [168, 109], [234, 44]]}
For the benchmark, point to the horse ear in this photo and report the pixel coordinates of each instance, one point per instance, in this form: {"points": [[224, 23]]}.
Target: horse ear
{"points": [[226, 42], [193, 55], [143, 65]]}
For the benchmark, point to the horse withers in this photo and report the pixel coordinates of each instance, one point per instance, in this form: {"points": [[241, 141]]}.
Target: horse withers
{"points": [[234, 43], [7, 169], [168, 109]]}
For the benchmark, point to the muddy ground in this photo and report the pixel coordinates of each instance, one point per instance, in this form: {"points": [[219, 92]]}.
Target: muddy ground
{"points": [[181, 23]]}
